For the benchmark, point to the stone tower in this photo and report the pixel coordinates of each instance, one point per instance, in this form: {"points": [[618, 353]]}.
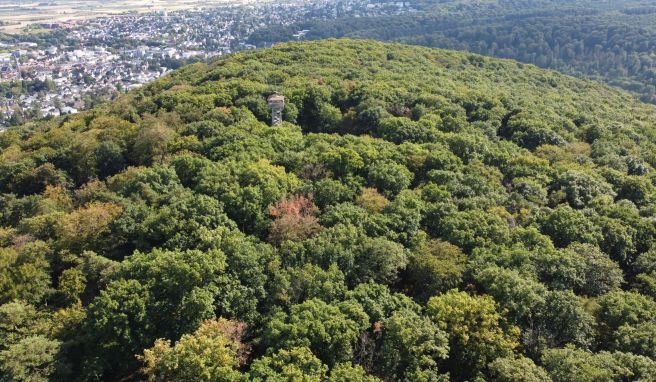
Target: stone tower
{"points": [[276, 104]]}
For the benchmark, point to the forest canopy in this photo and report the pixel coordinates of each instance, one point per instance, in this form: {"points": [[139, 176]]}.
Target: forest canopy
{"points": [[611, 41], [420, 215]]}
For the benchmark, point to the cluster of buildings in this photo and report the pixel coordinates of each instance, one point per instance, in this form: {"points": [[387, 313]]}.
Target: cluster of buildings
{"points": [[72, 78], [103, 56]]}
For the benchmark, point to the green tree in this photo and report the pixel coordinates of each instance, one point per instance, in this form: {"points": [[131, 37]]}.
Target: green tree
{"points": [[521, 297], [388, 177], [601, 274], [520, 369], [110, 159], [342, 161], [24, 274], [437, 267], [117, 326], [477, 332], [569, 364], [475, 228], [360, 257], [151, 143], [31, 359], [620, 308], [379, 303], [639, 339], [345, 372], [411, 345], [581, 188], [297, 284], [181, 284], [295, 364], [565, 226], [72, 283], [17, 320], [562, 320], [211, 353], [330, 331], [645, 267]]}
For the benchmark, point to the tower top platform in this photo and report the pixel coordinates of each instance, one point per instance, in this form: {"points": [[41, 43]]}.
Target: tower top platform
{"points": [[276, 98]]}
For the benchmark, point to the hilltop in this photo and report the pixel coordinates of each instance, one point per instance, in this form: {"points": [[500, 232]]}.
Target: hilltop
{"points": [[419, 215], [608, 41]]}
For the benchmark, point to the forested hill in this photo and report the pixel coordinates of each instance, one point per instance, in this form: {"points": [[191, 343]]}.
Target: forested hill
{"points": [[421, 215], [610, 41]]}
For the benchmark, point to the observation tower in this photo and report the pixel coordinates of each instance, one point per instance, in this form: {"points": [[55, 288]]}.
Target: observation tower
{"points": [[276, 104]]}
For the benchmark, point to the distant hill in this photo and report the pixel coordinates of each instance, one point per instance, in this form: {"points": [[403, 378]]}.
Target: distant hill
{"points": [[419, 215], [609, 41]]}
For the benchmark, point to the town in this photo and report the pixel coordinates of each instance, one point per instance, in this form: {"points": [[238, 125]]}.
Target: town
{"points": [[74, 65]]}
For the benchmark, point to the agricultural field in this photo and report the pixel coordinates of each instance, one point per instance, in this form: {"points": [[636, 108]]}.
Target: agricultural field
{"points": [[16, 15]]}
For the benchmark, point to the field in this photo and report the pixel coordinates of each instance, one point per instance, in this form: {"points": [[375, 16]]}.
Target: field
{"points": [[16, 15]]}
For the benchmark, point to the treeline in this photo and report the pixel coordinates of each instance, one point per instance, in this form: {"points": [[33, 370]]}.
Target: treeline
{"points": [[421, 215], [12, 89], [613, 42], [603, 48], [54, 37]]}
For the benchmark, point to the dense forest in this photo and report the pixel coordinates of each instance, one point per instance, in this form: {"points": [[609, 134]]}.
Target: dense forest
{"points": [[612, 41], [420, 215]]}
